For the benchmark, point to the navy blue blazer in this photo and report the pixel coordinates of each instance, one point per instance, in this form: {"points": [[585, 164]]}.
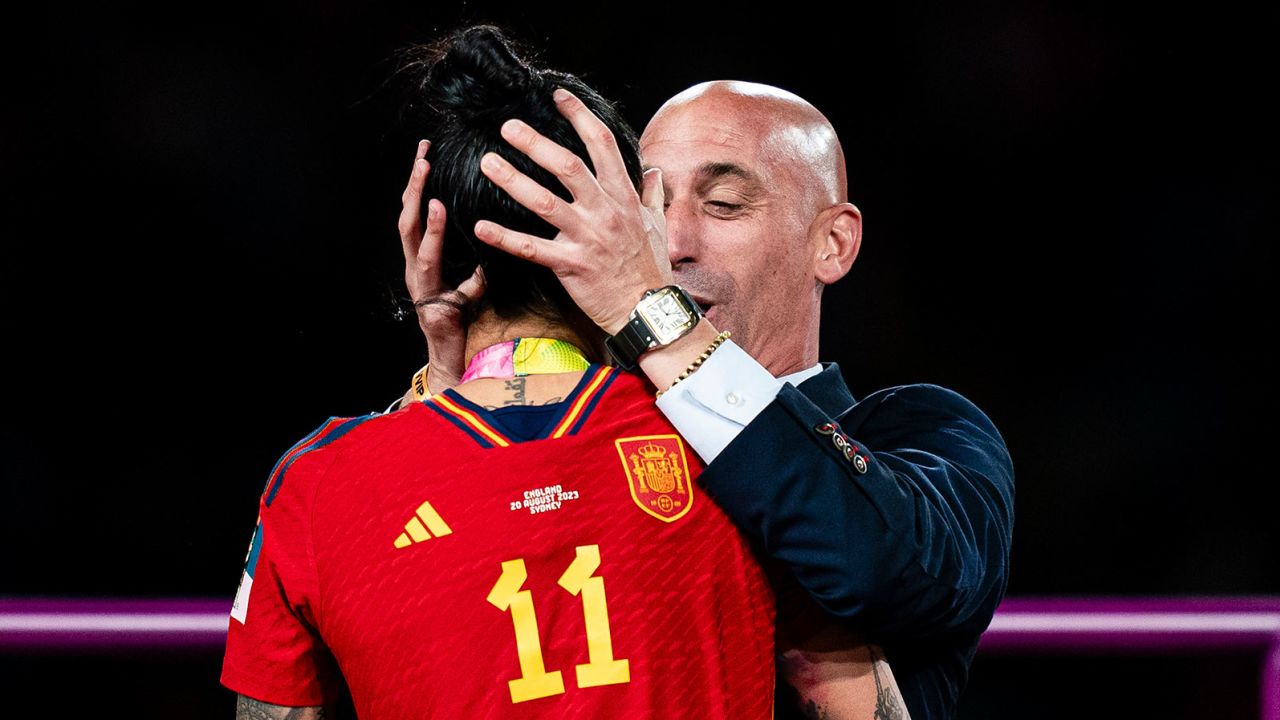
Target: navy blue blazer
{"points": [[895, 513]]}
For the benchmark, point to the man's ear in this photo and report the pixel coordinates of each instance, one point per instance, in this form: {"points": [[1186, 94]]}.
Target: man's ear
{"points": [[837, 232]]}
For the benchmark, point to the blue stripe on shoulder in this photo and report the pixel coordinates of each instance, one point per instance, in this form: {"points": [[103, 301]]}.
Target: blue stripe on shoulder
{"points": [[458, 422], [255, 548], [285, 457], [591, 405], [316, 440]]}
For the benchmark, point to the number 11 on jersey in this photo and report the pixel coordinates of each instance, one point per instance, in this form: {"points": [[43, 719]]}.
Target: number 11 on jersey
{"points": [[601, 669]]}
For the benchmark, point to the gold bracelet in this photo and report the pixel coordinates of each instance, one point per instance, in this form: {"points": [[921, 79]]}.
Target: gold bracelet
{"points": [[697, 363]]}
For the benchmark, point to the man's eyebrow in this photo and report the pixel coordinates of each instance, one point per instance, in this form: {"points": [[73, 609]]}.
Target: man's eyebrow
{"points": [[716, 170]]}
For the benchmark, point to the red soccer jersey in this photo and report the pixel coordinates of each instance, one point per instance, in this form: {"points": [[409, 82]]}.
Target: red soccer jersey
{"points": [[445, 569]]}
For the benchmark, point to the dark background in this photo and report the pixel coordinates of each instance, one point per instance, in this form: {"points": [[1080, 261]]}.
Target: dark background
{"points": [[1068, 219]]}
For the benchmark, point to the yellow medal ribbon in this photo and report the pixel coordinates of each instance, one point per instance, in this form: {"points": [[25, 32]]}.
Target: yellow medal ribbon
{"points": [[513, 358]]}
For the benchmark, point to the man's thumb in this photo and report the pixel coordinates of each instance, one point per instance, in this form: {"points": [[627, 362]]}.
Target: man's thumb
{"points": [[651, 194]]}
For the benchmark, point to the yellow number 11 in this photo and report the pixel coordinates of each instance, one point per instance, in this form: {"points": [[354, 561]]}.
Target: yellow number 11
{"points": [[534, 681]]}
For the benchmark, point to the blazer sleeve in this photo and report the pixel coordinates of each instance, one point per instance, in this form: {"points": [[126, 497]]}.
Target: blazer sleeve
{"points": [[911, 541]]}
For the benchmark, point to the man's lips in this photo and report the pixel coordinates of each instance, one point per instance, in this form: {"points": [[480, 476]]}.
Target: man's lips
{"points": [[707, 306]]}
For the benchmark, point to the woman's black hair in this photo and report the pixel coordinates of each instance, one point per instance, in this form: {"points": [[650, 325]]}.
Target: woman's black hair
{"points": [[464, 88]]}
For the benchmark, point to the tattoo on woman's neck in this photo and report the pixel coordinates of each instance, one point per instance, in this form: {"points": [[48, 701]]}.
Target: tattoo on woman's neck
{"points": [[515, 386]]}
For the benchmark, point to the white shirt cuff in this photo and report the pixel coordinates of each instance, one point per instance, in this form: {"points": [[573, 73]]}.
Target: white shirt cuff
{"points": [[712, 405]]}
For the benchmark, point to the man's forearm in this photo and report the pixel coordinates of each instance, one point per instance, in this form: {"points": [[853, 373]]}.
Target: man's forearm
{"points": [[847, 683], [722, 397], [664, 364]]}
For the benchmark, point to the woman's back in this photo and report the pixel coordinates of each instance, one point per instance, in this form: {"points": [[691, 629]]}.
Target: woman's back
{"points": [[454, 568]]}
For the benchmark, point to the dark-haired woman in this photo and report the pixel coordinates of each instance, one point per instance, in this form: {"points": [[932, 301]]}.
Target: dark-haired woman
{"points": [[531, 543]]}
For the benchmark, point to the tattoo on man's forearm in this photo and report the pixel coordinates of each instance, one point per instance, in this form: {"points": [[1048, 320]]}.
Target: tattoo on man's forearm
{"points": [[250, 709], [888, 702]]}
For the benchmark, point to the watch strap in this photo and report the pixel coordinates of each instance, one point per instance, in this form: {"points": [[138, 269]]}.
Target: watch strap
{"points": [[635, 338], [630, 342]]}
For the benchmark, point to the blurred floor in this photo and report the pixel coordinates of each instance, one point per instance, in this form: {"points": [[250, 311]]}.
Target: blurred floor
{"points": [[167, 685], [1208, 685]]}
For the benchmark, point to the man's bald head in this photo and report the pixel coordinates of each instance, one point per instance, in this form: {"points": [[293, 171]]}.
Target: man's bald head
{"points": [[758, 218], [790, 128]]}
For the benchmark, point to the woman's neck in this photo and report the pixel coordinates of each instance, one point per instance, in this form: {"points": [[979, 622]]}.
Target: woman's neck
{"points": [[489, 329], [492, 393]]}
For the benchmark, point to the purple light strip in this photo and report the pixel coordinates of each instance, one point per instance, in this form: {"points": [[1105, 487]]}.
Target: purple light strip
{"points": [[1150, 625], [1168, 626], [37, 624]]}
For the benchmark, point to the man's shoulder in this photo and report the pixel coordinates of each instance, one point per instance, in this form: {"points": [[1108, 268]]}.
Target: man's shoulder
{"points": [[829, 389], [932, 418], [913, 412], [923, 398]]}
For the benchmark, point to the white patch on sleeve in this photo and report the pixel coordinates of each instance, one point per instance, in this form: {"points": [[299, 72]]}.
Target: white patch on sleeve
{"points": [[240, 608]]}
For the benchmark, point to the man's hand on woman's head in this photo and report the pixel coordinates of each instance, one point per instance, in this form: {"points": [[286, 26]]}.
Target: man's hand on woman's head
{"points": [[612, 244]]}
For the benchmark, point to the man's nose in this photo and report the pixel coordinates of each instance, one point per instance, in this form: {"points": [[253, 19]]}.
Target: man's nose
{"points": [[682, 233]]}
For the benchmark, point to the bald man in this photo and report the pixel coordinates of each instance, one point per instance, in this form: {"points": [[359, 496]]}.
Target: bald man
{"points": [[894, 513]]}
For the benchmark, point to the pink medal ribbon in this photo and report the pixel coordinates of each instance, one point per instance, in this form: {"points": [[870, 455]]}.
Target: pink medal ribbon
{"points": [[525, 356]]}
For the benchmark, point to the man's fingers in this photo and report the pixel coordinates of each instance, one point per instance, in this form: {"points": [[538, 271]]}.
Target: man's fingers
{"points": [[568, 168], [602, 146], [526, 191], [529, 247], [651, 193], [653, 197]]}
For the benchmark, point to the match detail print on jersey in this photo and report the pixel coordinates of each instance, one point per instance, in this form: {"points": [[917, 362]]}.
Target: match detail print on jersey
{"points": [[534, 681], [658, 474], [544, 499]]}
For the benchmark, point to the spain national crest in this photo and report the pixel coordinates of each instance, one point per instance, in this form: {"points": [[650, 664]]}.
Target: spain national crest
{"points": [[658, 474]]}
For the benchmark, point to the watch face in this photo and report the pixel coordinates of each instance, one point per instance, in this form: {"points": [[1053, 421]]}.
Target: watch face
{"points": [[665, 315]]}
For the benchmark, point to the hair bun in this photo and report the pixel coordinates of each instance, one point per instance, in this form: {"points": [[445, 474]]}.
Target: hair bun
{"points": [[476, 75], [460, 90]]}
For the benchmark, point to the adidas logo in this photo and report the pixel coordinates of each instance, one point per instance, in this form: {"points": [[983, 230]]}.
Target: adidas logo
{"points": [[424, 525]]}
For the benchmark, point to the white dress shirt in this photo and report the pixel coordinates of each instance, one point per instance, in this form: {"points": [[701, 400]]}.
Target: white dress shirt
{"points": [[711, 406]]}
